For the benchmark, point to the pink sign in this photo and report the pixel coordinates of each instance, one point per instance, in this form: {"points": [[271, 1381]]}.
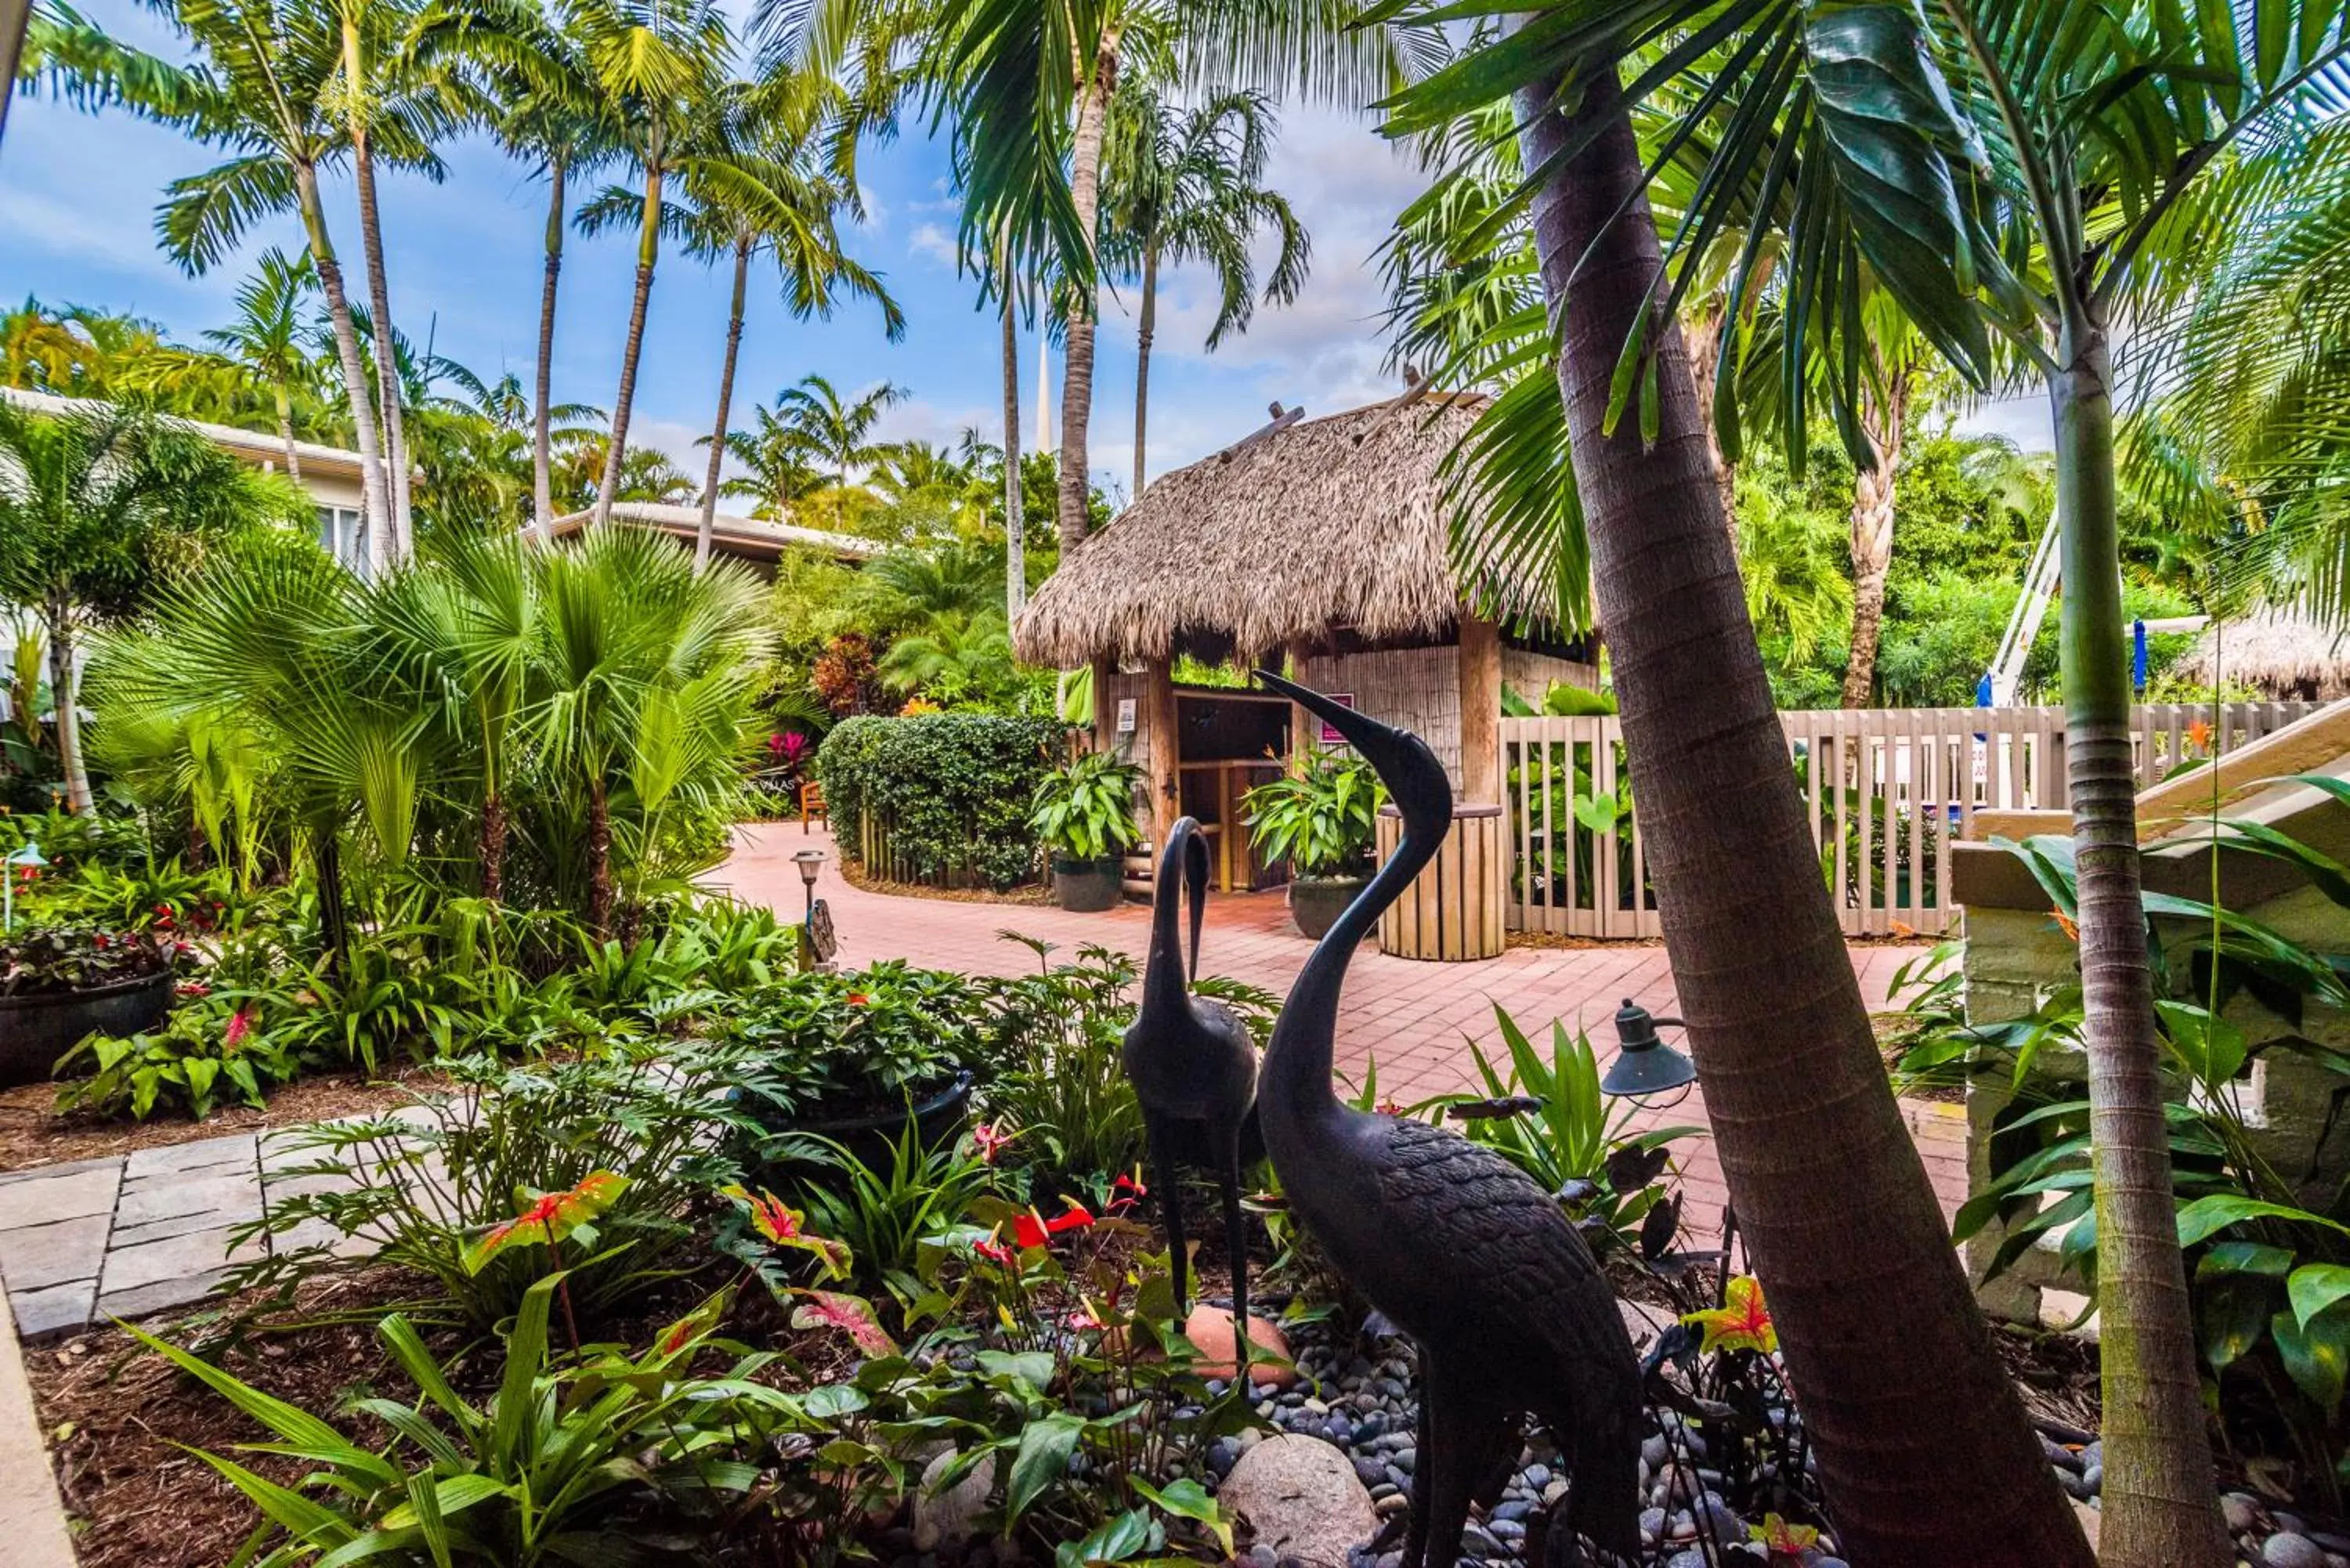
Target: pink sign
{"points": [[1330, 736]]}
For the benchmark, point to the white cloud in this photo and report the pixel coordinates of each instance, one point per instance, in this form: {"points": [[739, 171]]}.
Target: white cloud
{"points": [[932, 239]]}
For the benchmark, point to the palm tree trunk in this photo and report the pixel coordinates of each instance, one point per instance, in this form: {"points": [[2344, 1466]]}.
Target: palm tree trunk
{"points": [[373, 489], [334, 917], [2160, 1508], [1016, 528], [1703, 335], [600, 859], [1872, 530], [387, 356], [542, 464], [286, 433], [493, 846], [648, 252], [725, 402], [64, 692], [1145, 329], [1077, 331], [1924, 1449]]}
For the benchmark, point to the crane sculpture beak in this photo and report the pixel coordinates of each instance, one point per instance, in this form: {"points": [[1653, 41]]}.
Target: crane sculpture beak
{"points": [[1415, 779]]}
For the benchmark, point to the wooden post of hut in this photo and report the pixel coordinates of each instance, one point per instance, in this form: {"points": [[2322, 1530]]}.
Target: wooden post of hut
{"points": [[1160, 727], [1480, 710], [1303, 726]]}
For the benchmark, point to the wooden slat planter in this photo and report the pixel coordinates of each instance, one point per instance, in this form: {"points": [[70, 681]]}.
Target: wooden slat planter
{"points": [[1455, 910]]}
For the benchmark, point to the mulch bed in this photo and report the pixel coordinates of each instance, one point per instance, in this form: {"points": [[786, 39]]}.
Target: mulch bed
{"points": [[1035, 894], [33, 1133]]}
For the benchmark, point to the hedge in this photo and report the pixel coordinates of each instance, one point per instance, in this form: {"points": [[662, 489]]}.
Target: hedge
{"points": [[951, 790]]}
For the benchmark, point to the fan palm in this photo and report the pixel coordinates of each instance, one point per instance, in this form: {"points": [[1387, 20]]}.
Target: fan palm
{"points": [[1188, 185]]}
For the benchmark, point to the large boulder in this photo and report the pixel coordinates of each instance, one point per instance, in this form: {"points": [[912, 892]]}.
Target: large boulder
{"points": [[1301, 1497]]}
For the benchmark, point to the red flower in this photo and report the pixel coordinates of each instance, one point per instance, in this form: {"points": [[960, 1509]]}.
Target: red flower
{"points": [[988, 1141], [995, 1251], [195, 988], [858, 999], [1125, 1193], [1033, 1229], [776, 745], [1389, 1108], [2067, 924], [101, 940], [1085, 1318], [239, 1026]]}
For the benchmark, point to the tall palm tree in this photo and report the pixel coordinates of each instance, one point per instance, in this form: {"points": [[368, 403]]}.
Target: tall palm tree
{"points": [[267, 85], [661, 66], [838, 430], [268, 335], [548, 109], [1188, 185], [777, 463]]}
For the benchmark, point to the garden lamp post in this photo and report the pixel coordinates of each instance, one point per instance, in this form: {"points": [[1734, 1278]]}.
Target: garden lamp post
{"points": [[27, 859], [809, 861], [1645, 1066]]}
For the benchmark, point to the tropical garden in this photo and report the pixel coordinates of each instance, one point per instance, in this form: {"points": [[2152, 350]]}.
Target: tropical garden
{"points": [[642, 1232]]}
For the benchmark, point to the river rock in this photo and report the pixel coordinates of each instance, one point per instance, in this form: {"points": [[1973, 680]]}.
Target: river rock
{"points": [[1210, 1330], [2288, 1549], [945, 1518], [1302, 1498]]}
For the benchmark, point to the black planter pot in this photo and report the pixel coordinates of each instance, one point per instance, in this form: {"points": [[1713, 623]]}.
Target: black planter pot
{"points": [[38, 1029], [1316, 902], [1088, 887], [937, 1117]]}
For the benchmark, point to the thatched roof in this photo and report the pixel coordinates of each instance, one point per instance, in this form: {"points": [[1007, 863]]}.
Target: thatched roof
{"points": [[1328, 523], [2281, 652]]}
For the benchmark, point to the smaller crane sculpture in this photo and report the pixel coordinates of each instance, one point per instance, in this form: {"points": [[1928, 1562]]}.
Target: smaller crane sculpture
{"points": [[1190, 1060], [1457, 1247]]}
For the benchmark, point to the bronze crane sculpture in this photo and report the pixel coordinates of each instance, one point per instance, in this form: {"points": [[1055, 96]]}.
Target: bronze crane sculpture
{"points": [[1190, 1060], [1458, 1248]]}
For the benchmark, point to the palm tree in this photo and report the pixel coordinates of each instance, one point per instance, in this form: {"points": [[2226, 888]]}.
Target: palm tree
{"points": [[89, 501], [1187, 186], [661, 66], [778, 470], [840, 430], [549, 111], [1890, 391], [267, 336], [268, 87]]}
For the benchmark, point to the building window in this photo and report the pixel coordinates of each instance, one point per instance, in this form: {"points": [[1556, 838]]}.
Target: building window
{"points": [[342, 536]]}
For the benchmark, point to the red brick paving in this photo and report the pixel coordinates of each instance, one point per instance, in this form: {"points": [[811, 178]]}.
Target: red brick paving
{"points": [[1415, 1019]]}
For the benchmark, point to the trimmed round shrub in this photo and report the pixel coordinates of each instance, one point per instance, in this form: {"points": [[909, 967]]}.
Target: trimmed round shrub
{"points": [[951, 791]]}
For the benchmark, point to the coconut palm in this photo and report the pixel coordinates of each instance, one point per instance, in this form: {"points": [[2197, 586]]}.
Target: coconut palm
{"points": [[778, 467], [268, 335], [835, 428], [95, 505], [1182, 185]]}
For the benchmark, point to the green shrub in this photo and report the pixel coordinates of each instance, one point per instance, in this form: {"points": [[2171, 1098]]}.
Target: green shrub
{"points": [[954, 788], [1322, 819]]}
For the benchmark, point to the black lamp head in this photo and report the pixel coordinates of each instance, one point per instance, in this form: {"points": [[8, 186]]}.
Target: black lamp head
{"points": [[808, 861], [1645, 1064]]}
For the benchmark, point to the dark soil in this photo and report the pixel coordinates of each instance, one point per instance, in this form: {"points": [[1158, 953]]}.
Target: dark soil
{"points": [[1035, 894], [33, 1132]]}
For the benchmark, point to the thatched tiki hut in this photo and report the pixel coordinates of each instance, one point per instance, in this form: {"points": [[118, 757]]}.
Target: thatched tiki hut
{"points": [[2282, 652], [1321, 543]]}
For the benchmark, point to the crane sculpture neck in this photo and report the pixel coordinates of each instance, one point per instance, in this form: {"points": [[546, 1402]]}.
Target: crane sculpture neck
{"points": [[1185, 862], [1294, 1081]]}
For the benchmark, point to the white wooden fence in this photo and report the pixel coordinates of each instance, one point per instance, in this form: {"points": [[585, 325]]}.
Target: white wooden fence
{"points": [[1886, 790]]}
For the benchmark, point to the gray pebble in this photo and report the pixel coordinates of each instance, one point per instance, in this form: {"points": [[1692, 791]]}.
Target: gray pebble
{"points": [[2240, 1512], [1405, 1460], [1370, 1472], [1512, 1511], [1537, 1476], [2288, 1550], [1477, 1542]]}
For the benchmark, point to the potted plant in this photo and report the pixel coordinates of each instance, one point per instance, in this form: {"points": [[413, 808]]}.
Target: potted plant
{"points": [[59, 985], [1085, 813], [1320, 818]]}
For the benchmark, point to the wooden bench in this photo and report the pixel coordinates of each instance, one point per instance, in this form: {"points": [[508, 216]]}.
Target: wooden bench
{"points": [[812, 805]]}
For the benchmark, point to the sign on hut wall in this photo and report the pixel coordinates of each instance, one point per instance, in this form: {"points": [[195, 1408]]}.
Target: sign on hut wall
{"points": [[1330, 736]]}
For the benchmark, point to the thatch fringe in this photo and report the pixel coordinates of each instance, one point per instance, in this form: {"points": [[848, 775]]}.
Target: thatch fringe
{"points": [[2281, 650], [1333, 523]]}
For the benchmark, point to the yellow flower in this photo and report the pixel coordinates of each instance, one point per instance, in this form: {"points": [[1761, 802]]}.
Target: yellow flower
{"points": [[1780, 1539], [1741, 1323]]}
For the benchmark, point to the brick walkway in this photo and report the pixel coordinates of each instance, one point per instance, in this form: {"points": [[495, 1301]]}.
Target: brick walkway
{"points": [[1414, 1019], [137, 1235]]}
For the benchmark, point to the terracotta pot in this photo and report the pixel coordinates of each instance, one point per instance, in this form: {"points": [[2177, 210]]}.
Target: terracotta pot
{"points": [[38, 1028]]}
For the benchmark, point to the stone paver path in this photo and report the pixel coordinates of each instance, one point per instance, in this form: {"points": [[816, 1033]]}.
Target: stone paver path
{"points": [[1415, 1019], [125, 1237]]}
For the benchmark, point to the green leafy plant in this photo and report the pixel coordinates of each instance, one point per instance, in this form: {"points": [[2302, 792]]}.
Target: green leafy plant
{"points": [[948, 792], [1085, 810], [599, 1461], [1321, 817], [888, 1214], [854, 1043]]}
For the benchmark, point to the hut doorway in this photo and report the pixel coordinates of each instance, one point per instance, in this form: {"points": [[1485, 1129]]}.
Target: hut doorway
{"points": [[1228, 742]]}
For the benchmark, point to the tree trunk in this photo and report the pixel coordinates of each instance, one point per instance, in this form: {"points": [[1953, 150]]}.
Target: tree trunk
{"points": [[493, 847], [285, 434], [2161, 1510], [1923, 1450], [542, 463], [334, 917], [648, 252], [65, 688], [1872, 529], [725, 401], [600, 859], [1703, 336], [1078, 332], [387, 354], [1015, 522], [1145, 329], [378, 499]]}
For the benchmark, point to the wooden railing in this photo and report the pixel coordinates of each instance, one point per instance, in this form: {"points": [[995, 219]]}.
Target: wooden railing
{"points": [[1886, 790]]}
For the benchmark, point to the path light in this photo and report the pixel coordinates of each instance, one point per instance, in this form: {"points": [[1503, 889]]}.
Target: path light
{"points": [[1646, 1066], [809, 861], [28, 859]]}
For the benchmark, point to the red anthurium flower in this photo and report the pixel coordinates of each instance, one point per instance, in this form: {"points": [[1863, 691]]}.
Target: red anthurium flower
{"points": [[988, 1141], [1032, 1229], [101, 940], [1389, 1108], [1085, 1318], [776, 745], [1741, 1323], [2198, 734], [1125, 1193], [858, 999], [195, 988], [995, 1251], [1783, 1540], [549, 1218], [239, 1026]]}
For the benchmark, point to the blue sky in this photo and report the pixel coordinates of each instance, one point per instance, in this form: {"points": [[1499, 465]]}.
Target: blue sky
{"points": [[77, 194]]}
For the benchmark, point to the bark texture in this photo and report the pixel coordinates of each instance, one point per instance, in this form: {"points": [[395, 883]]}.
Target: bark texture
{"points": [[725, 405], [542, 461], [1924, 1448], [1077, 331], [387, 356], [376, 497], [1702, 335], [2161, 1510], [648, 253], [599, 859], [1146, 328], [1884, 420], [493, 847], [65, 690], [1015, 527]]}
